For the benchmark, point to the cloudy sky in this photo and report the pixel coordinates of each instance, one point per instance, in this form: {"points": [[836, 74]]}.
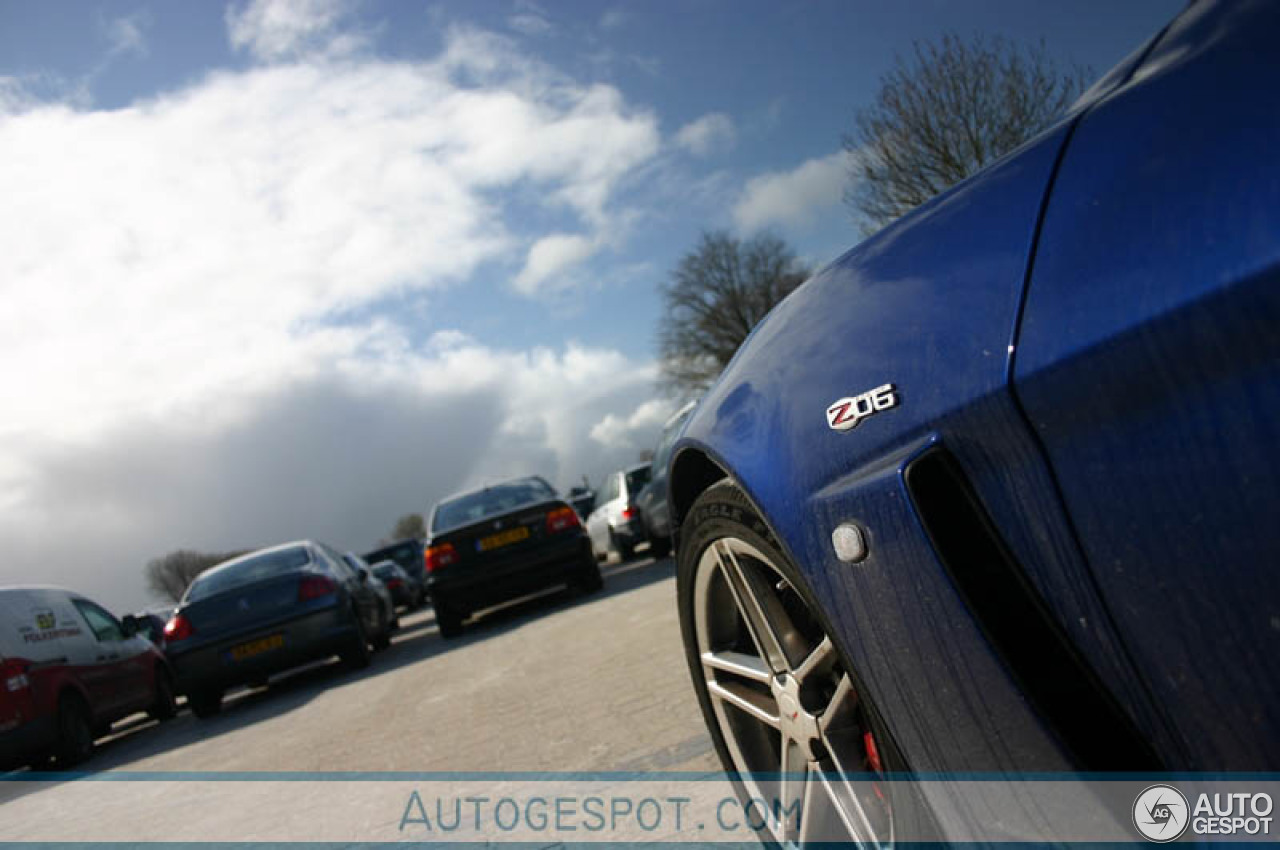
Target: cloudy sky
{"points": [[293, 269]]}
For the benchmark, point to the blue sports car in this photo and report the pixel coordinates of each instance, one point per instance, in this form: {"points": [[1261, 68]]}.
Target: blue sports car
{"points": [[995, 491]]}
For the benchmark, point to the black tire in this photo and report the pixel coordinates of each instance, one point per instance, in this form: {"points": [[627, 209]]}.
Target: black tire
{"points": [[382, 640], [723, 513], [624, 550], [75, 731], [357, 654], [448, 619], [166, 702], [590, 580], [205, 702]]}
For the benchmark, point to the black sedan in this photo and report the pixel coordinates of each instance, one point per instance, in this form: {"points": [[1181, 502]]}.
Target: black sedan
{"points": [[501, 542], [268, 611], [407, 590]]}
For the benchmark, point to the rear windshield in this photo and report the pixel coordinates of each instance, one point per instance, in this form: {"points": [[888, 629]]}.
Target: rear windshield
{"points": [[251, 569], [384, 571], [636, 479], [404, 554], [492, 501]]}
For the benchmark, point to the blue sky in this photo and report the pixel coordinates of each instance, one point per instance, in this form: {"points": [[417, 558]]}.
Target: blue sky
{"points": [[282, 269]]}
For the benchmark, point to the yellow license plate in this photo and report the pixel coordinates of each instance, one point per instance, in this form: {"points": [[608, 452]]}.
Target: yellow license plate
{"points": [[256, 647], [493, 541]]}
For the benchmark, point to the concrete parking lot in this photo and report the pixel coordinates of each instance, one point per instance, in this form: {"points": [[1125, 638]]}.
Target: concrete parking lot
{"points": [[557, 683]]}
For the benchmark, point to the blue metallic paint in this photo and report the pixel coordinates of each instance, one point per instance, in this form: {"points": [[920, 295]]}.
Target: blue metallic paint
{"points": [[933, 303], [1149, 365]]}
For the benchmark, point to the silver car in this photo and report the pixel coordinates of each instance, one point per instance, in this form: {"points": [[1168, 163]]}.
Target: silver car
{"points": [[615, 524]]}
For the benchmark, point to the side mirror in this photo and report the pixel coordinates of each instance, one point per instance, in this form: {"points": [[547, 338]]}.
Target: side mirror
{"points": [[130, 625]]}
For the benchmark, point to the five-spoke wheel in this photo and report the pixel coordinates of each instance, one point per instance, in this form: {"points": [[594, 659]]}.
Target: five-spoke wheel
{"points": [[782, 703]]}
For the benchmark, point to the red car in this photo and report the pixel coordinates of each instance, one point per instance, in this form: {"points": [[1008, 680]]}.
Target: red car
{"points": [[68, 670]]}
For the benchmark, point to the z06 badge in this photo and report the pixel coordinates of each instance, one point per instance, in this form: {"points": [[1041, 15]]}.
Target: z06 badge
{"points": [[846, 413]]}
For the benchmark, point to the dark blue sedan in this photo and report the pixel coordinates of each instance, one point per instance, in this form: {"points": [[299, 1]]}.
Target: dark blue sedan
{"points": [[997, 490], [277, 608]]}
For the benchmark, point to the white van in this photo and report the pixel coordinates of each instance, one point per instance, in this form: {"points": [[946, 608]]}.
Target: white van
{"points": [[68, 670]]}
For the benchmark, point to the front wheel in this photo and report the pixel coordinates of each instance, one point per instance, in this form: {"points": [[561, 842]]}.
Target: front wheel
{"points": [[785, 711]]}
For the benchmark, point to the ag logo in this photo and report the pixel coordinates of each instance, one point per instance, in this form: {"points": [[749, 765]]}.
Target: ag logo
{"points": [[846, 413], [1160, 813]]}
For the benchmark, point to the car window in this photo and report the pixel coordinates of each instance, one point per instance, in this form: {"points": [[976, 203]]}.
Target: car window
{"points": [[337, 564], [404, 554], [104, 626], [636, 479], [247, 571], [498, 499]]}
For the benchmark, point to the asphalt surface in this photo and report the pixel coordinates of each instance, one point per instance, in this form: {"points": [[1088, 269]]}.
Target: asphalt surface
{"points": [[557, 683]]}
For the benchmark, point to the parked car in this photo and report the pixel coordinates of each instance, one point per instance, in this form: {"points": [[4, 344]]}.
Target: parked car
{"points": [[268, 611], [380, 639], [651, 501], [500, 542], [68, 670], [406, 590], [582, 499], [996, 491], [407, 553], [615, 526], [150, 624]]}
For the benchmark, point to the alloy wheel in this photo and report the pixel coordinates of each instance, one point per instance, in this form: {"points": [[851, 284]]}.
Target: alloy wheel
{"points": [[790, 715]]}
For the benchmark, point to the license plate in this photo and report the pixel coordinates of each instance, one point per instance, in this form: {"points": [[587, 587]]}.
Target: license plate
{"points": [[493, 541], [256, 647]]}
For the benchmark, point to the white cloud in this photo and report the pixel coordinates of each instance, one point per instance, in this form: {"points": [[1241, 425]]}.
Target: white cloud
{"points": [[530, 19], [281, 29], [549, 257], [792, 197], [192, 257], [711, 132], [195, 290], [125, 35], [638, 430]]}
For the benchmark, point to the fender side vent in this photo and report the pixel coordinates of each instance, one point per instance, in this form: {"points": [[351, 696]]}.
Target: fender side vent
{"points": [[1087, 720]]}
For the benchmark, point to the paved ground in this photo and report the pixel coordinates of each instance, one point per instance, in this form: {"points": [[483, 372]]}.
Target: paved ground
{"points": [[559, 683]]}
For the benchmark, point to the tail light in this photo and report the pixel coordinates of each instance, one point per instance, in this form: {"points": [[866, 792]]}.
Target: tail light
{"points": [[178, 628], [562, 519], [13, 673], [394, 583], [437, 557], [628, 512], [314, 587]]}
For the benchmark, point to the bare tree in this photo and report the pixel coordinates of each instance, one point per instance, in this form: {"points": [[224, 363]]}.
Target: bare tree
{"points": [[409, 525], [940, 116], [716, 295], [169, 576]]}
